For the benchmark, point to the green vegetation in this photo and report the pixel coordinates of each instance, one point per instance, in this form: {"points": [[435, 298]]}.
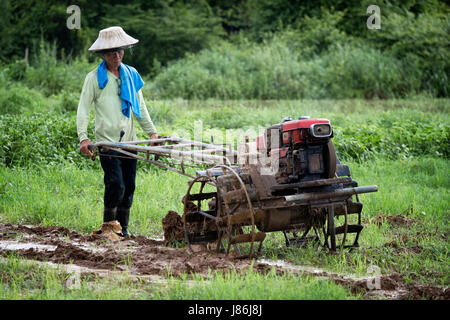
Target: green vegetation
{"points": [[399, 145], [364, 130], [234, 68], [20, 280], [236, 286], [416, 188], [275, 70], [241, 49]]}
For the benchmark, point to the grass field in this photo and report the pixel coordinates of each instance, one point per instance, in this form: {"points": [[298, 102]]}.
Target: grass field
{"points": [[413, 183]]}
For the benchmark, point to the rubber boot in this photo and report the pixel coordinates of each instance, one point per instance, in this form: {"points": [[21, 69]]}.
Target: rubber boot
{"points": [[109, 214], [123, 215]]}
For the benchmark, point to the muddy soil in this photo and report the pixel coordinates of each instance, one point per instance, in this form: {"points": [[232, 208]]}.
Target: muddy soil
{"points": [[142, 256], [173, 228]]}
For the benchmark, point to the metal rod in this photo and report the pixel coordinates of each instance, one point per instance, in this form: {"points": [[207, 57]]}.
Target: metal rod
{"points": [[310, 184], [331, 228], [345, 228], [338, 193], [152, 162], [207, 215], [160, 150], [187, 141]]}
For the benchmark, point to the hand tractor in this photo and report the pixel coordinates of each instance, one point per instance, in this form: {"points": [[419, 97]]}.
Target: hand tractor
{"points": [[288, 179]]}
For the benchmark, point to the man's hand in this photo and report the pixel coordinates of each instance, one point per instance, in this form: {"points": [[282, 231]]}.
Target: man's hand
{"points": [[154, 136], [84, 147]]}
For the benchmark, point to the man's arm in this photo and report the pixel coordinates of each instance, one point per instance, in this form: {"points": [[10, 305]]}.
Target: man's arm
{"points": [[84, 107], [146, 122]]}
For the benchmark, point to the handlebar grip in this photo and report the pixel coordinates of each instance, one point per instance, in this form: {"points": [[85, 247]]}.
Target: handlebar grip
{"points": [[91, 148]]}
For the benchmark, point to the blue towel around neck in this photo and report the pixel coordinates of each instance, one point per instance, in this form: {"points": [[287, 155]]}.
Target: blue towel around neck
{"points": [[131, 83]]}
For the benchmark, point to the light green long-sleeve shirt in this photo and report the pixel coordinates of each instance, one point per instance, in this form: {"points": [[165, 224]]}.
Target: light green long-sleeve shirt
{"points": [[109, 119]]}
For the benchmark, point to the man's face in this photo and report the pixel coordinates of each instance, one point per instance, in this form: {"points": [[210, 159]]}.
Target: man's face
{"points": [[113, 59]]}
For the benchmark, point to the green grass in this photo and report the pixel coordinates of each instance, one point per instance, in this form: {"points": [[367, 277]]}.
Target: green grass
{"points": [[69, 192], [253, 285], [421, 184], [21, 280], [72, 197]]}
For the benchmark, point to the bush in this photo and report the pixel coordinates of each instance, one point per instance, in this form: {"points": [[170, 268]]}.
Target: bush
{"points": [[228, 72], [351, 71], [52, 76], [16, 71], [362, 131], [68, 101], [394, 135], [422, 42], [276, 71], [39, 139], [17, 99]]}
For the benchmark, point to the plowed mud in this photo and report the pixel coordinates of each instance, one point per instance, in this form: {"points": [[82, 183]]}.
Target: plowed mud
{"points": [[142, 256]]}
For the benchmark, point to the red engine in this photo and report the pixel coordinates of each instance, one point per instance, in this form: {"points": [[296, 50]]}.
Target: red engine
{"points": [[304, 149]]}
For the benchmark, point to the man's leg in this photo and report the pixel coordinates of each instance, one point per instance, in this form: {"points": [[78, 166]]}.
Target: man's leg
{"points": [[114, 186], [129, 179]]}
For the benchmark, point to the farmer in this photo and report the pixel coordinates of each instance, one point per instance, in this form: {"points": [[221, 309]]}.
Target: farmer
{"points": [[115, 90]]}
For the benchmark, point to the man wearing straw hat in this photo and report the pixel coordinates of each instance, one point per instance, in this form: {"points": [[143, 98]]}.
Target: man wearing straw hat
{"points": [[115, 90]]}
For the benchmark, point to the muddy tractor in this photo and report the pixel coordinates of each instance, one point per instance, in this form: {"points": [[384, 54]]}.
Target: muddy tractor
{"points": [[286, 180]]}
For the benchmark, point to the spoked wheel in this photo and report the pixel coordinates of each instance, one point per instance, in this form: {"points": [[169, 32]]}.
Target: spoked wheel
{"points": [[236, 221], [312, 233], [338, 235], [326, 228], [199, 224], [331, 229]]}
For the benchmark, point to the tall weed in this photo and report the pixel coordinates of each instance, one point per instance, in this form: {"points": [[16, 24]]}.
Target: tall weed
{"points": [[51, 75], [276, 70]]}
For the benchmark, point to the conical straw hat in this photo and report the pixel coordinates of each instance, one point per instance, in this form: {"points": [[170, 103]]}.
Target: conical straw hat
{"points": [[111, 38]]}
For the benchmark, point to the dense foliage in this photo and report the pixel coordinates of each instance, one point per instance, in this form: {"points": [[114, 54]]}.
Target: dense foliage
{"points": [[277, 71], [233, 49], [39, 139], [399, 131], [246, 48]]}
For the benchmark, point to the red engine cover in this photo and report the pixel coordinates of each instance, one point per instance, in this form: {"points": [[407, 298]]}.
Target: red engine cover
{"points": [[298, 129], [293, 127], [301, 124]]}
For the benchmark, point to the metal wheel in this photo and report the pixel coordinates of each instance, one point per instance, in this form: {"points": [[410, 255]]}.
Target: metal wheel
{"points": [[199, 225], [236, 215], [338, 235], [331, 229]]}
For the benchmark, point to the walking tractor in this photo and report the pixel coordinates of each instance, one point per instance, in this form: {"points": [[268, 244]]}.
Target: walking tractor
{"points": [[288, 179]]}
